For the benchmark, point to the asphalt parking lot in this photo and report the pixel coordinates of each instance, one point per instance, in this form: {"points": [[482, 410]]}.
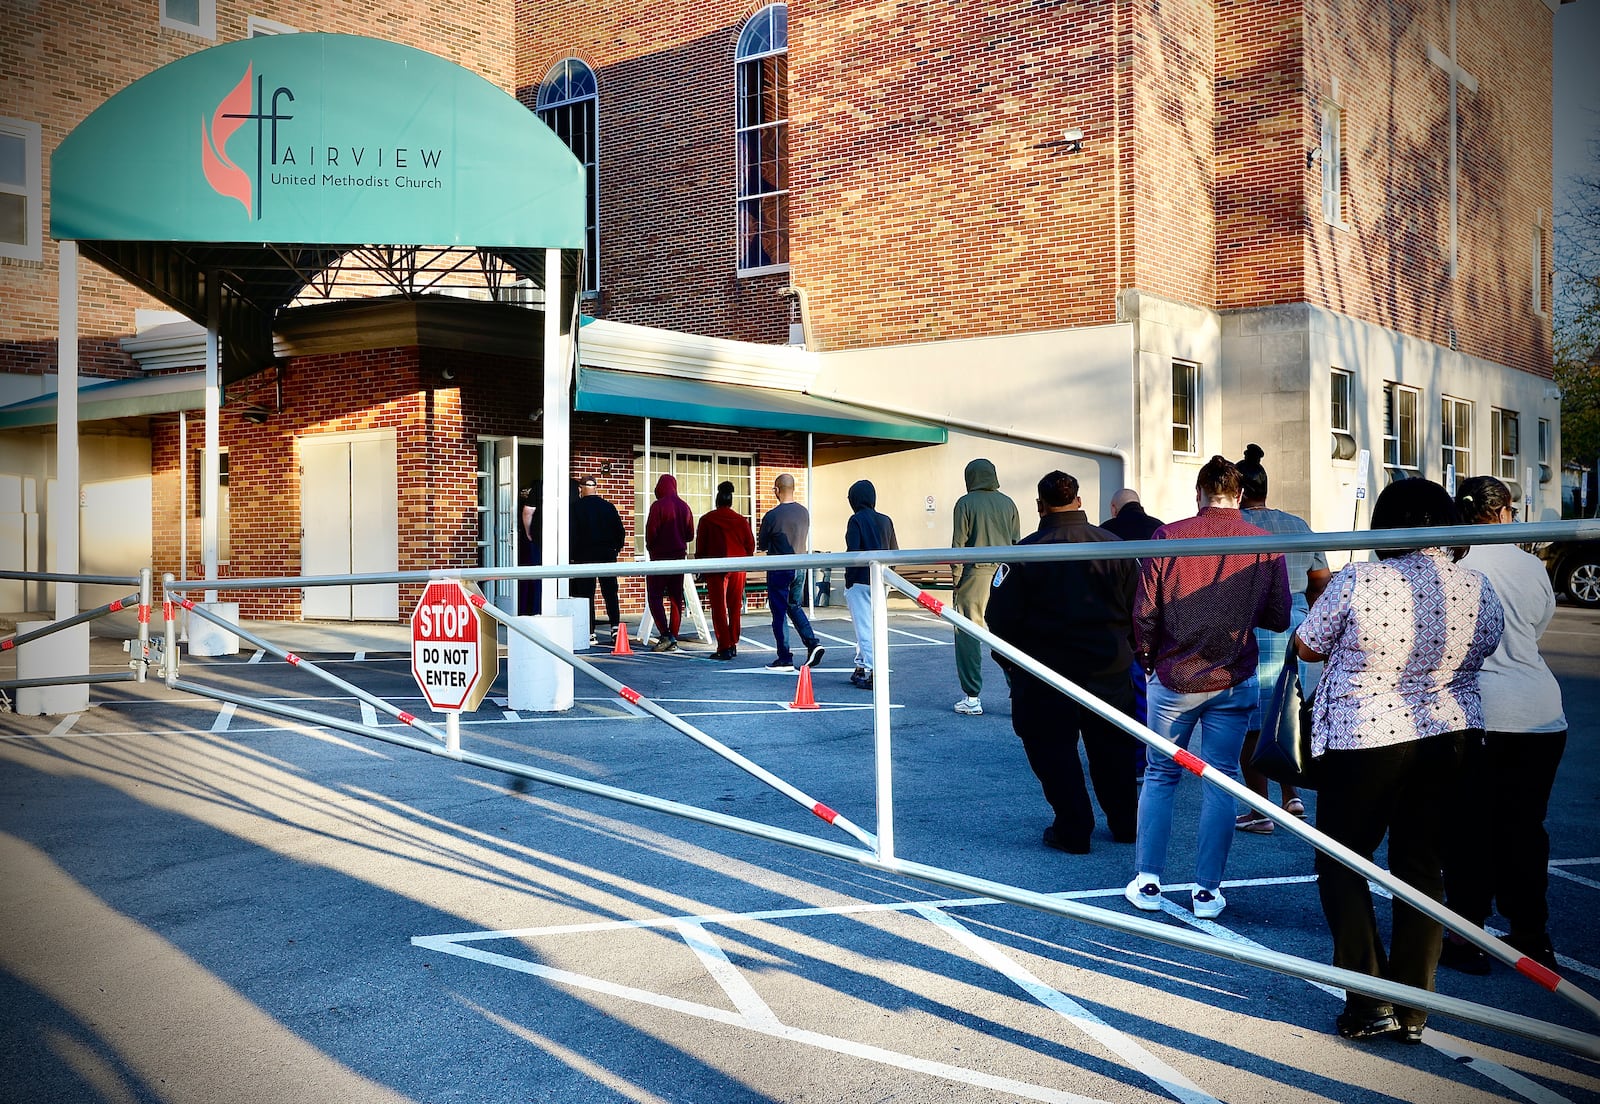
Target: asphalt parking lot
{"points": [[203, 903]]}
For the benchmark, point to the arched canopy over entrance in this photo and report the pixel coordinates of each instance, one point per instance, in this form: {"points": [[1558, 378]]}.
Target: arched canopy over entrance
{"points": [[268, 160]]}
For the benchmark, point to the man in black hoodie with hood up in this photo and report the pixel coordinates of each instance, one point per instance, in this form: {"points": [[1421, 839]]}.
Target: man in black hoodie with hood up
{"points": [[866, 530]]}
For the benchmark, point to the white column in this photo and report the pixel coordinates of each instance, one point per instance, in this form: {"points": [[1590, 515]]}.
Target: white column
{"points": [[69, 490], [557, 432], [210, 464]]}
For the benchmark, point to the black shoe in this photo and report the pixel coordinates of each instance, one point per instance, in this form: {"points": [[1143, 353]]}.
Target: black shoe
{"points": [[1051, 839], [1410, 1034], [863, 682], [1367, 1023], [781, 664], [733, 652], [1460, 955], [814, 652], [720, 653], [1536, 947]]}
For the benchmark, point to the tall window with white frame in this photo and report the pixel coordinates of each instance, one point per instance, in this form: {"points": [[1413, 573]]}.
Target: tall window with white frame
{"points": [[762, 137], [1185, 408], [1341, 391], [1332, 153], [1545, 474], [569, 104], [1538, 265], [1505, 445], [1402, 433], [1455, 424], [698, 472], [21, 191]]}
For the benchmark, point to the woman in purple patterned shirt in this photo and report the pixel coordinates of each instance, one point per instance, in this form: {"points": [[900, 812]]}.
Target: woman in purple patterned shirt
{"points": [[1403, 639]]}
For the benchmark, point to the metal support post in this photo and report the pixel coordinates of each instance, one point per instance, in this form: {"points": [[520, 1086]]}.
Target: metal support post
{"points": [[882, 751]]}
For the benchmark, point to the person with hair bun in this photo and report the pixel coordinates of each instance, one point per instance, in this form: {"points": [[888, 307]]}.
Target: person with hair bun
{"points": [[1498, 852], [1194, 623], [1403, 639], [1308, 575]]}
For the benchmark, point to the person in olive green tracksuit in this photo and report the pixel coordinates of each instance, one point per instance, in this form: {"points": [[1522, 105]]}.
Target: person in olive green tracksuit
{"points": [[984, 517]]}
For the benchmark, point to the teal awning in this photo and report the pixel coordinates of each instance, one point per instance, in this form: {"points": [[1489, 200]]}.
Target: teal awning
{"points": [[669, 398], [123, 398]]}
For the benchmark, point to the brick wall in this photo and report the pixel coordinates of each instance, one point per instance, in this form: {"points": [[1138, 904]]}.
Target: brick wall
{"points": [[61, 59]]}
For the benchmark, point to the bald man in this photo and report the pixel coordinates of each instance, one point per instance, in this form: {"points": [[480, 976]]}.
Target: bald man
{"points": [[784, 531]]}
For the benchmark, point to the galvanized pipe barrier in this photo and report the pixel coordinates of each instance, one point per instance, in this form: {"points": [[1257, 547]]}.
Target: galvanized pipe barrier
{"points": [[1424, 904], [67, 622], [306, 665], [627, 693], [1172, 935]]}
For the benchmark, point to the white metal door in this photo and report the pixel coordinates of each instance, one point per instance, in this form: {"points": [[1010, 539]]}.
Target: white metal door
{"points": [[507, 516], [343, 531]]}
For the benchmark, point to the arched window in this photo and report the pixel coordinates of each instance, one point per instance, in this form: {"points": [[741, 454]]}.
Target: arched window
{"points": [[569, 104], [763, 140]]}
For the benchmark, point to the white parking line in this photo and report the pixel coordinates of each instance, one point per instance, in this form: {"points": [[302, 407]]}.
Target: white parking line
{"points": [[224, 718], [715, 960]]}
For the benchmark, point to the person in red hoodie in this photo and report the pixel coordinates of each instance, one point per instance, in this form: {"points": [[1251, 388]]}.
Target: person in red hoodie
{"points": [[667, 531], [723, 533]]}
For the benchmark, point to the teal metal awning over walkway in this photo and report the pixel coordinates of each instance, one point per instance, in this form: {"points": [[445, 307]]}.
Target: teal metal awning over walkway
{"points": [[670, 398], [122, 398]]}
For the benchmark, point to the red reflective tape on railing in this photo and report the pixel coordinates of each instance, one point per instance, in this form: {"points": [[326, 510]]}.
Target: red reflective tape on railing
{"points": [[144, 613], [115, 607], [291, 659], [408, 718], [1189, 762], [929, 602], [186, 603], [166, 608], [1538, 972], [477, 600], [630, 693], [7, 645], [824, 812]]}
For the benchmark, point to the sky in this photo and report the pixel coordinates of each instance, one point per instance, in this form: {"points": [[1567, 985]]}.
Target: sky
{"points": [[1577, 92]]}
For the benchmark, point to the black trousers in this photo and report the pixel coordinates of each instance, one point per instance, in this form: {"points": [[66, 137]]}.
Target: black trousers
{"points": [[1050, 724], [584, 588], [1401, 791], [1498, 852]]}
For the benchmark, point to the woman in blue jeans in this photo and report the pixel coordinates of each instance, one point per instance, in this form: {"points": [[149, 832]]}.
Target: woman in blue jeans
{"points": [[1194, 622]]}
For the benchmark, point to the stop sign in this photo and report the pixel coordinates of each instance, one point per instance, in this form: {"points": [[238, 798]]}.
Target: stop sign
{"points": [[454, 653]]}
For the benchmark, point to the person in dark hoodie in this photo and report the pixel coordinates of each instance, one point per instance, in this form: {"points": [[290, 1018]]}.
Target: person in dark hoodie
{"points": [[724, 533], [1075, 617], [983, 517], [866, 530], [668, 528]]}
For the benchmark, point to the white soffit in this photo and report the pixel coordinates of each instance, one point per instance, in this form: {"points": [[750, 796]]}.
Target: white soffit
{"points": [[626, 347]]}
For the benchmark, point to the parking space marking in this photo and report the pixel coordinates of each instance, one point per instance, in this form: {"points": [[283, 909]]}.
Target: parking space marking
{"points": [[224, 718], [715, 960], [1571, 877], [64, 725], [1121, 1044]]}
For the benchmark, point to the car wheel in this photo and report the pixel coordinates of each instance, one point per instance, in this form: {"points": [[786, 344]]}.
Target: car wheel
{"points": [[1583, 581]]}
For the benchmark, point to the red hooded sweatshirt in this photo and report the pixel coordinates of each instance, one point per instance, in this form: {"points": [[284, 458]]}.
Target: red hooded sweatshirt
{"points": [[670, 524], [724, 532]]}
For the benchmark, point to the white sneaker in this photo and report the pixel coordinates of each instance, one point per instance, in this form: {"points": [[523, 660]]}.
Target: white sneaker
{"points": [[970, 707], [1144, 892], [1208, 903]]}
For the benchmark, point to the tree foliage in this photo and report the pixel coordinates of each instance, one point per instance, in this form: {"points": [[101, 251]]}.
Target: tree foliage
{"points": [[1577, 320]]}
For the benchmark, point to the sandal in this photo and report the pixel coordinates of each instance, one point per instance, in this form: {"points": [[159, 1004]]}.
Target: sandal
{"points": [[1295, 807]]}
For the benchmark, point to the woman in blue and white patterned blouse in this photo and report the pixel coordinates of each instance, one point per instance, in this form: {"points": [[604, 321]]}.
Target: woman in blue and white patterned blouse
{"points": [[1403, 639]]}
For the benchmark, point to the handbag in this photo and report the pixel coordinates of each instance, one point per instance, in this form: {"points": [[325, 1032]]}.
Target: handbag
{"points": [[1283, 750]]}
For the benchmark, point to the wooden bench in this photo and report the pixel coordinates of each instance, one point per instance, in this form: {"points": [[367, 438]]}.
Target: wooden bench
{"points": [[928, 576]]}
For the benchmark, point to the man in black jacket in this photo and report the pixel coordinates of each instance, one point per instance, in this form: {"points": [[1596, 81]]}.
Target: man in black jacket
{"points": [[597, 536], [1075, 617]]}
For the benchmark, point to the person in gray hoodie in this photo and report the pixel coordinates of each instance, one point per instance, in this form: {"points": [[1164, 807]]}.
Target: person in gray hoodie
{"points": [[984, 517], [866, 530]]}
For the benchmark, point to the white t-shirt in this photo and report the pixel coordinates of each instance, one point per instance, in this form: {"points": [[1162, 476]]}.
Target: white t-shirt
{"points": [[1519, 692]]}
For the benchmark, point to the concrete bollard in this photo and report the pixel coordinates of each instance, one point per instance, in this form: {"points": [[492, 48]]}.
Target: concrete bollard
{"points": [[61, 653], [578, 610], [208, 639], [536, 680]]}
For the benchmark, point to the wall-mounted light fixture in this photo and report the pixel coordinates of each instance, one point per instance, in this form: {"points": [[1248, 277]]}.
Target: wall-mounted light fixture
{"points": [[256, 414], [1313, 155], [1072, 140], [447, 374]]}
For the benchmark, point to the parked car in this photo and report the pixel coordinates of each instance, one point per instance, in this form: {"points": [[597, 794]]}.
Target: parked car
{"points": [[1574, 568]]}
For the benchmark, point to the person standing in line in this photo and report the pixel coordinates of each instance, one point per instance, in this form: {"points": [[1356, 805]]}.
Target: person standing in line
{"points": [[784, 532], [1308, 576], [1497, 852], [1075, 617], [598, 536], [722, 534], [984, 517], [1194, 621], [668, 528], [867, 530], [1129, 521], [1403, 639], [530, 549]]}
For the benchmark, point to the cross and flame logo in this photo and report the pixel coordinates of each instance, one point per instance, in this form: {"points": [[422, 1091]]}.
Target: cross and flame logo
{"points": [[241, 105]]}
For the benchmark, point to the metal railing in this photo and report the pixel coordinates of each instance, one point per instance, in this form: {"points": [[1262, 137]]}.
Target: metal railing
{"points": [[139, 664], [876, 848]]}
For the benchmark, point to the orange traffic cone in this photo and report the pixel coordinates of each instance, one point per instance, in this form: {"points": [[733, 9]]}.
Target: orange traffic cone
{"points": [[802, 691], [621, 647]]}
